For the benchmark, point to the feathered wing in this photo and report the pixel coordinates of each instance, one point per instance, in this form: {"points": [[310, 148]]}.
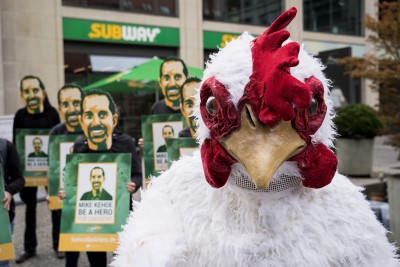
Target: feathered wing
{"points": [[182, 221]]}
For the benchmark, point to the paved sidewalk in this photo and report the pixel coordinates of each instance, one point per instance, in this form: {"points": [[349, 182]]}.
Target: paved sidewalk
{"points": [[45, 254]]}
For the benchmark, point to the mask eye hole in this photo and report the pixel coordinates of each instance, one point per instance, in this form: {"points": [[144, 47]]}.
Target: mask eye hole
{"points": [[212, 106], [312, 109]]}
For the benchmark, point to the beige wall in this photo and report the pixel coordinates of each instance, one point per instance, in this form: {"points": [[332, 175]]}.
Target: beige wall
{"points": [[2, 93], [31, 40], [369, 96]]}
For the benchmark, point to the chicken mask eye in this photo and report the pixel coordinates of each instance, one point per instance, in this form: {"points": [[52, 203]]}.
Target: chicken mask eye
{"points": [[312, 109], [212, 106]]}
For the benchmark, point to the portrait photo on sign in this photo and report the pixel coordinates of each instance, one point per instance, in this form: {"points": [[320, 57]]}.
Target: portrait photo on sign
{"points": [[162, 131], [65, 149], [96, 193], [36, 149]]}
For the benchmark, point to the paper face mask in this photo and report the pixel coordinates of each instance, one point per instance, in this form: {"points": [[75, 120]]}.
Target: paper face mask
{"points": [[69, 100], [188, 92], [173, 74], [98, 119], [33, 94]]}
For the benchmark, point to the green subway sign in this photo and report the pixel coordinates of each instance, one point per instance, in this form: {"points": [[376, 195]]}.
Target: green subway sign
{"points": [[213, 40], [100, 31]]}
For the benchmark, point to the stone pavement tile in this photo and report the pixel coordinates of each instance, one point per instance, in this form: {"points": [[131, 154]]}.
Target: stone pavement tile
{"points": [[45, 254]]}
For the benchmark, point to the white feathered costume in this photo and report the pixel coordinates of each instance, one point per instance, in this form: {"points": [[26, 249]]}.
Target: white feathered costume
{"points": [[299, 216]]}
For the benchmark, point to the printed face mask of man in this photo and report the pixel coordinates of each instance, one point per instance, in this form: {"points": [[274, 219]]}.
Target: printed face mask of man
{"points": [[98, 122], [97, 179], [70, 108], [171, 80], [187, 106], [32, 95]]}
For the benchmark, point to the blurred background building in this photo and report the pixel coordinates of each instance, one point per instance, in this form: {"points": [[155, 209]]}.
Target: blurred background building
{"points": [[82, 41]]}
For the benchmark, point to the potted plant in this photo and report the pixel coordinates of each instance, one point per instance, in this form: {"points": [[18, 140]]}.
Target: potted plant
{"points": [[357, 125]]}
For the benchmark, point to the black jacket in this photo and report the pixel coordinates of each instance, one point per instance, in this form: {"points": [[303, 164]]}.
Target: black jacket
{"points": [[45, 120], [13, 179]]}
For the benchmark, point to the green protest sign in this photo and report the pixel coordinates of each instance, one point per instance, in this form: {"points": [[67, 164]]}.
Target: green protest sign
{"points": [[97, 201], [59, 147], [179, 147], [155, 130], [6, 245], [32, 148]]}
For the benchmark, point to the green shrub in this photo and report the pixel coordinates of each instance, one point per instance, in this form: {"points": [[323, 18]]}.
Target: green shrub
{"points": [[357, 121]]}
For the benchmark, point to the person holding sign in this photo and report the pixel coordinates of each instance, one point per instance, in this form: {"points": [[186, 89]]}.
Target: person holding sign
{"points": [[188, 90], [97, 178], [173, 73], [69, 105], [10, 167], [99, 120], [37, 114]]}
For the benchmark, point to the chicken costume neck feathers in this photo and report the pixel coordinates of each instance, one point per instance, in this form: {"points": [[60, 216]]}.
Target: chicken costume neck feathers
{"points": [[289, 208]]}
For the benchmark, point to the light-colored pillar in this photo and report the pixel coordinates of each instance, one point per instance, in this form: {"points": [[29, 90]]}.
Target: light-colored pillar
{"points": [[191, 32], [32, 44], [2, 91], [296, 26], [369, 96]]}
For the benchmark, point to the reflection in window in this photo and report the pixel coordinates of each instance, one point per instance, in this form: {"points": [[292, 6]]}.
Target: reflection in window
{"points": [[102, 63], [154, 7], [334, 16], [256, 12]]}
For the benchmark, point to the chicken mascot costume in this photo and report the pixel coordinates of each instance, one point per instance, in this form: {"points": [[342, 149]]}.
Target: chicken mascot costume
{"points": [[263, 189]]}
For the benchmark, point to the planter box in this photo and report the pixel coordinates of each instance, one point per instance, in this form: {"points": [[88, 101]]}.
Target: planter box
{"points": [[355, 156]]}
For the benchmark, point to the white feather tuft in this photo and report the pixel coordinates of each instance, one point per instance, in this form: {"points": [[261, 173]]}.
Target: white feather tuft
{"points": [[231, 66]]}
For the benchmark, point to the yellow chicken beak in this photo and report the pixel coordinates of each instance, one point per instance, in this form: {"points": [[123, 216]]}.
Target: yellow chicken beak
{"points": [[262, 149]]}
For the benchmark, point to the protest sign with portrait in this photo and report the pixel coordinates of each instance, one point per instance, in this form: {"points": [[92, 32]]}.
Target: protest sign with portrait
{"points": [[59, 147], [6, 245], [97, 201], [156, 129], [32, 147]]}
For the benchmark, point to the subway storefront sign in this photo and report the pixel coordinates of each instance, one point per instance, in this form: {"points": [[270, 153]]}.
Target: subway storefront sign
{"points": [[213, 40], [100, 31]]}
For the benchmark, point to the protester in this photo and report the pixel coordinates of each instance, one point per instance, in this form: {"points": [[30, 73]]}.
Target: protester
{"points": [[99, 120], [37, 114], [69, 105], [13, 180], [173, 73]]}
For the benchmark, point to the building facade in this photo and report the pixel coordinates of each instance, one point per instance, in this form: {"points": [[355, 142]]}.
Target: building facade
{"points": [[84, 40]]}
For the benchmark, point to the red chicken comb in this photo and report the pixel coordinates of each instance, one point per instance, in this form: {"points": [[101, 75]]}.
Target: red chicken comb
{"points": [[282, 21]]}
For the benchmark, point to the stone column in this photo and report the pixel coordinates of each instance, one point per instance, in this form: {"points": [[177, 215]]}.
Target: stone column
{"points": [[191, 34]]}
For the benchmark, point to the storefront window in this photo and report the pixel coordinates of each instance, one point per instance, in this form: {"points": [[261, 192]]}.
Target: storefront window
{"points": [[153, 7], [256, 12], [334, 16]]}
